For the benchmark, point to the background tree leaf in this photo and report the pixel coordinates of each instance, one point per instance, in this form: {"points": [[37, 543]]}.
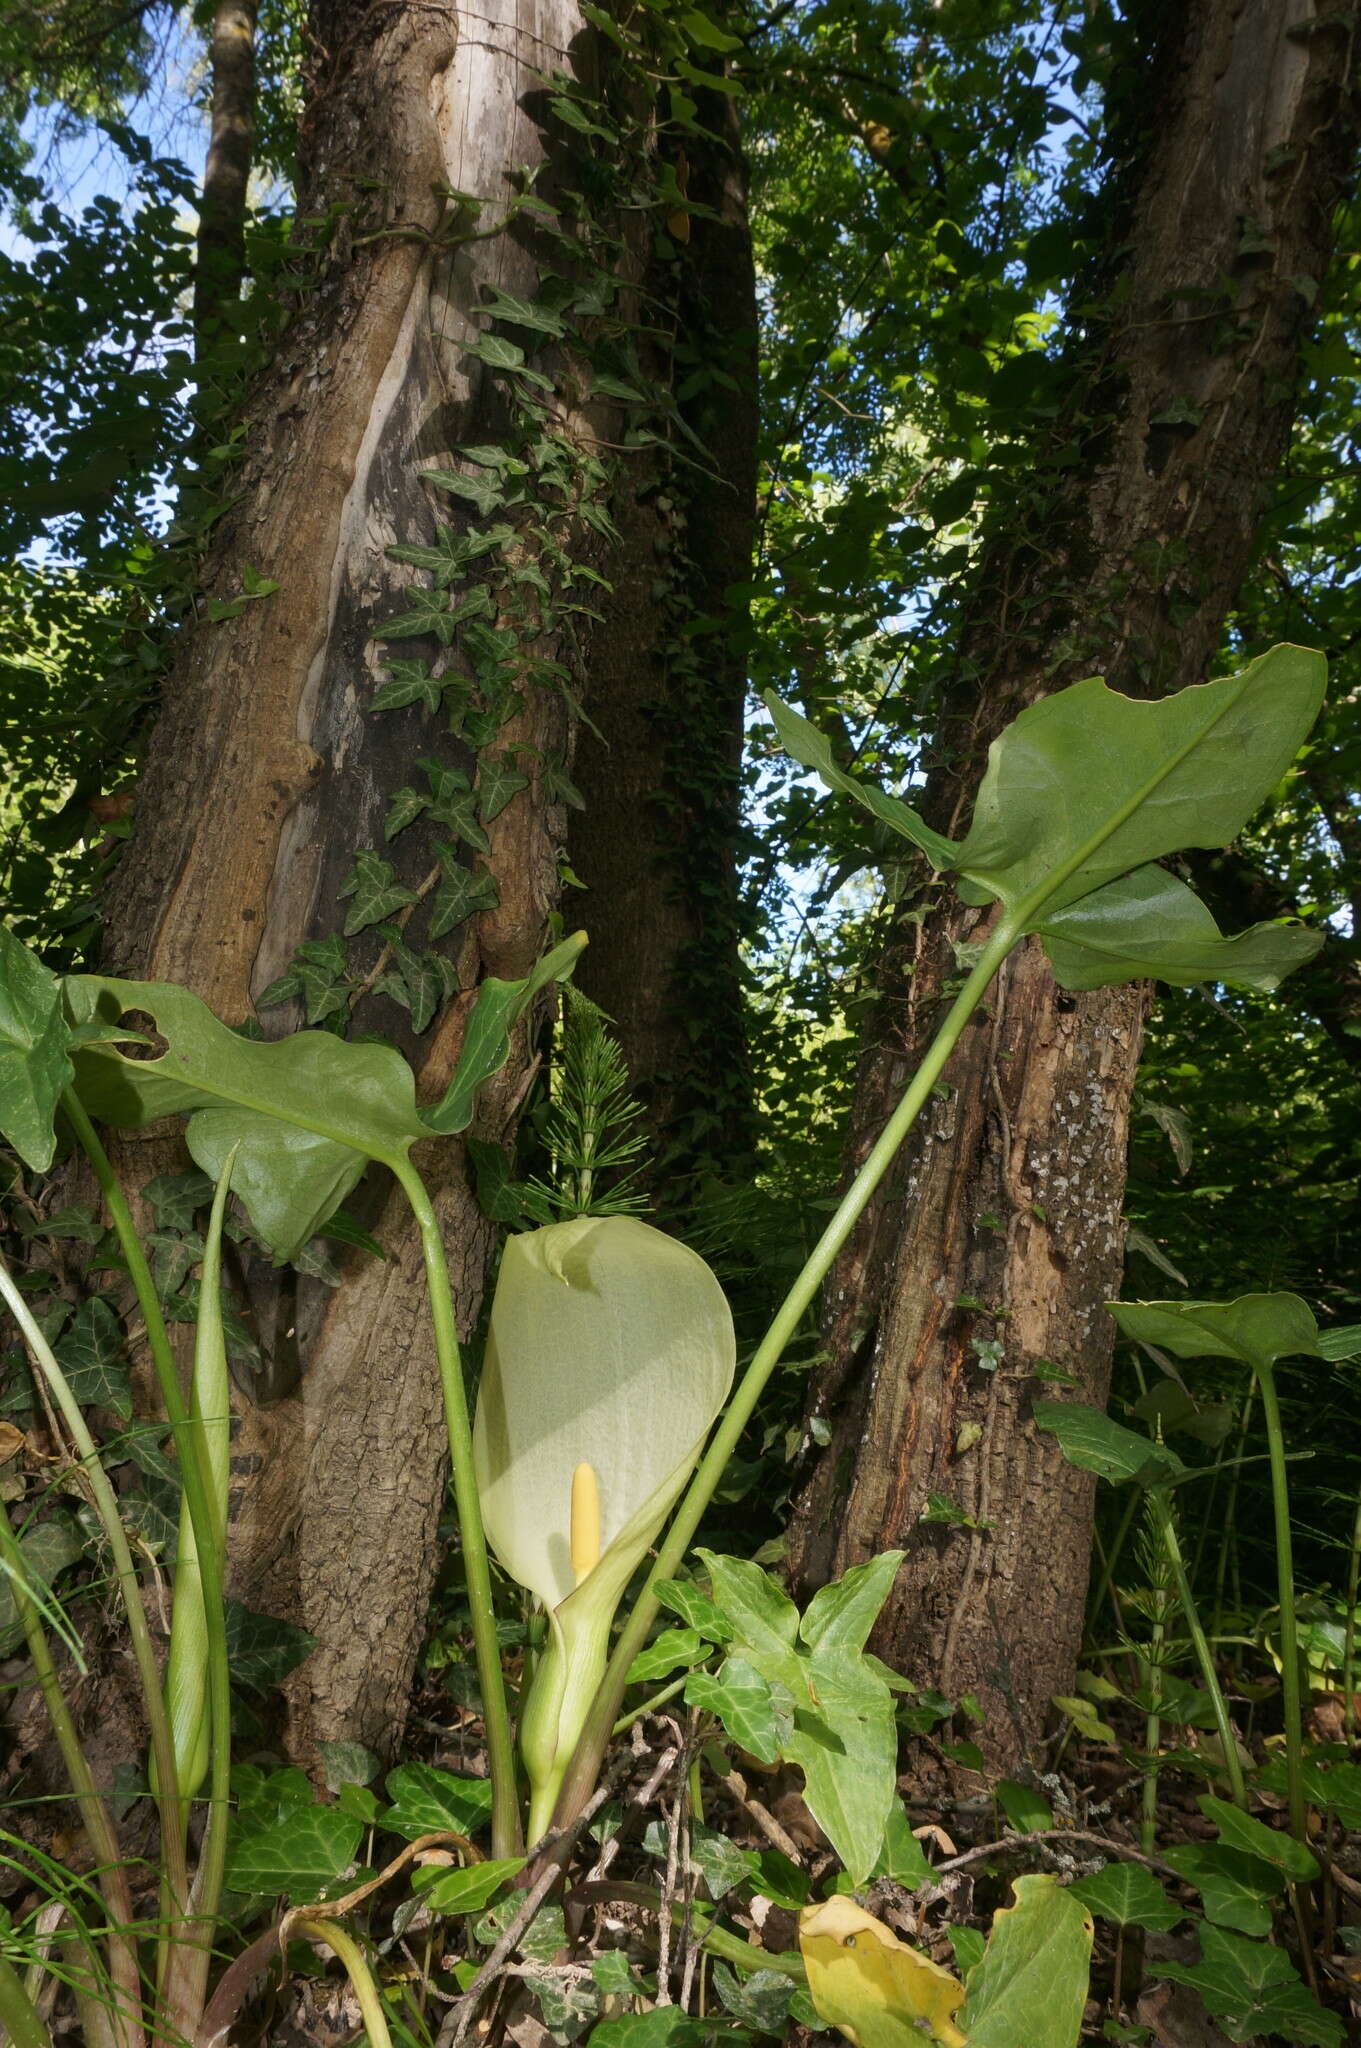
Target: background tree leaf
{"points": [[34, 1061]]}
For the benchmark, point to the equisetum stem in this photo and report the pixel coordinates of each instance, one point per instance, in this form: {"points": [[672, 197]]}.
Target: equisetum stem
{"points": [[1167, 1532], [1291, 1700], [506, 1831], [585, 1765], [1153, 1731]]}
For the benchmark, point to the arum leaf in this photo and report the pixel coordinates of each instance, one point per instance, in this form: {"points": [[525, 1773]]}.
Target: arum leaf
{"points": [[1091, 1441], [291, 1181], [486, 1036], [1149, 923], [358, 1095], [1255, 1327], [1086, 785], [1031, 1985], [871, 1986], [843, 1735], [839, 1617], [308, 1110], [811, 749], [34, 1066]]}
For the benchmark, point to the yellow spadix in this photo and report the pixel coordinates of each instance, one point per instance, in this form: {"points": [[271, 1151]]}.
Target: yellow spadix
{"points": [[609, 1354]]}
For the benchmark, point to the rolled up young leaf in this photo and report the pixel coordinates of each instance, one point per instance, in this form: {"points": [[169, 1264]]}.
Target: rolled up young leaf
{"points": [[611, 1348], [186, 1670]]}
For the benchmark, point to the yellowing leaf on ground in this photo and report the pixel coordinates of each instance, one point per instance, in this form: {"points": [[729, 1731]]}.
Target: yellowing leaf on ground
{"points": [[875, 1989]]}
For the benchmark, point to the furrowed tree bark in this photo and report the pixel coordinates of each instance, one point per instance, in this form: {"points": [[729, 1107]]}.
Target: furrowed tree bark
{"points": [[1003, 1221], [267, 775], [220, 251], [656, 843]]}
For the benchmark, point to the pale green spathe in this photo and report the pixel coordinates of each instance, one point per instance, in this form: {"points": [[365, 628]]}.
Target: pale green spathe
{"points": [[610, 1345]]}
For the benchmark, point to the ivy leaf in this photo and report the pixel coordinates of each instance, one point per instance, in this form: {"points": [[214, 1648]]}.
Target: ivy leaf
{"points": [[480, 488], [427, 1801], [454, 803], [91, 1356], [428, 613], [696, 1609], [305, 1849], [486, 1037], [719, 1861], [1251, 1988], [176, 1198], [263, 1650], [420, 982], [1128, 1895], [409, 682], [1235, 1890], [404, 807], [676, 1649], [34, 1062], [497, 783], [755, 1716], [1254, 1838], [460, 893], [372, 882], [558, 786], [520, 313], [497, 353]]}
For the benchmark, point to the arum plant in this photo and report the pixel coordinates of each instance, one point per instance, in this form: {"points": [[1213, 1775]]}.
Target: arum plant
{"points": [[609, 1354], [1084, 794], [296, 1122]]}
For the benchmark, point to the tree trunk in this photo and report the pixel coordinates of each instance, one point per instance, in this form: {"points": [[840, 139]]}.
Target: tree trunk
{"points": [[267, 775], [655, 844], [1004, 1218], [220, 252]]}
